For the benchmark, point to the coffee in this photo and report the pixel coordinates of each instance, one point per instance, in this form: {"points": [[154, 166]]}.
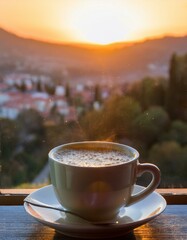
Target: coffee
{"points": [[91, 158]]}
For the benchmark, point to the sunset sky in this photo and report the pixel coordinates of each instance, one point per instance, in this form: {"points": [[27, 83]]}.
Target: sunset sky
{"points": [[94, 21]]}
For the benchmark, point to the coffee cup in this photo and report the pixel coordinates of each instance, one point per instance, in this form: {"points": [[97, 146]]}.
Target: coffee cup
{"points": [[95, 179]]}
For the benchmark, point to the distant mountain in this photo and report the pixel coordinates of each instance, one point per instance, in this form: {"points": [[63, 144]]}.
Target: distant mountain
{"points": [[123, 61]]}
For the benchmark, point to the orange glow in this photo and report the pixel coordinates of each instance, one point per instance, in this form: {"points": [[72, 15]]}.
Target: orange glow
{"points": [[100, 23], [94, 21]]}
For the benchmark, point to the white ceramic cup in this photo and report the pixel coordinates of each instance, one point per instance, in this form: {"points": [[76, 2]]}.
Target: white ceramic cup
{"points": [[98, 193]]}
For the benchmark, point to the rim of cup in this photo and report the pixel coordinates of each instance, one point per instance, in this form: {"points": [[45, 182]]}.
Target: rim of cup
{"points": [[134, 154]]}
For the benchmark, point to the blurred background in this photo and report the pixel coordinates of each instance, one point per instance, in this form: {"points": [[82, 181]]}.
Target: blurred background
{"points": [[112, 70]]}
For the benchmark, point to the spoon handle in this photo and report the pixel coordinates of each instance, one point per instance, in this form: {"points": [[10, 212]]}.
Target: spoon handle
{"points": [[26, 200], [48, 206]]}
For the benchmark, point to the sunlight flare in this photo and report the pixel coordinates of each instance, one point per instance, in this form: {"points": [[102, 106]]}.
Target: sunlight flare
{"points": [[100, 23]]}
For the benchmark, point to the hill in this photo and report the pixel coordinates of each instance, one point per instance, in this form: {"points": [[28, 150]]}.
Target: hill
{"points": [[126, 61]]}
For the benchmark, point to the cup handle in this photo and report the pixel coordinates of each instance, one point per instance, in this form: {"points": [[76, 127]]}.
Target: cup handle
{"points": [[155, 172]]}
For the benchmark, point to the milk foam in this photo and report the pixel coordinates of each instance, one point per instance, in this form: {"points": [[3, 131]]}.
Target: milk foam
{"points": [[91, 158]]}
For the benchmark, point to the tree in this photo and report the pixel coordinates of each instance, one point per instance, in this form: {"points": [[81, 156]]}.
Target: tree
{"points": [[92, 125], [8, 138], [50, 88], [149, 125], [31, 132], [174, 74], [31, 150], [64, 132], [177, 132], [170, 157], [149, 91], [23, 148], [23, 86], [29, 121], [68, 93], [113, 120], [177, 88], [119, 112], [97, 94], [39, 86]]}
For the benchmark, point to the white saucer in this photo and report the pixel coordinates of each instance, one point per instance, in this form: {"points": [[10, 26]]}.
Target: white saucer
{"points": [[128, 218]]}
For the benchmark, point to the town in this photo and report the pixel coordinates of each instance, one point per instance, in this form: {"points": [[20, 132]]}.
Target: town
{"points": [[19, 91]]}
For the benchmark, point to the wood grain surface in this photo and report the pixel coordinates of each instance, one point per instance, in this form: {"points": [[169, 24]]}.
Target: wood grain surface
{"points": [[16, 224]]}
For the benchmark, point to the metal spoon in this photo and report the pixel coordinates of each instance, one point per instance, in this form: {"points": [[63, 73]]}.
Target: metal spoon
{"points": [[33, 202]]}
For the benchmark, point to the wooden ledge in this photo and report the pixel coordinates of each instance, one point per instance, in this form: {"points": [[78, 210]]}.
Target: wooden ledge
{"points": [[174, 195], [13, 196], [16, 196]]}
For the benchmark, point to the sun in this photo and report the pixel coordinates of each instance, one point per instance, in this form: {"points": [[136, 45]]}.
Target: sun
{"points": [[100, 23]]}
